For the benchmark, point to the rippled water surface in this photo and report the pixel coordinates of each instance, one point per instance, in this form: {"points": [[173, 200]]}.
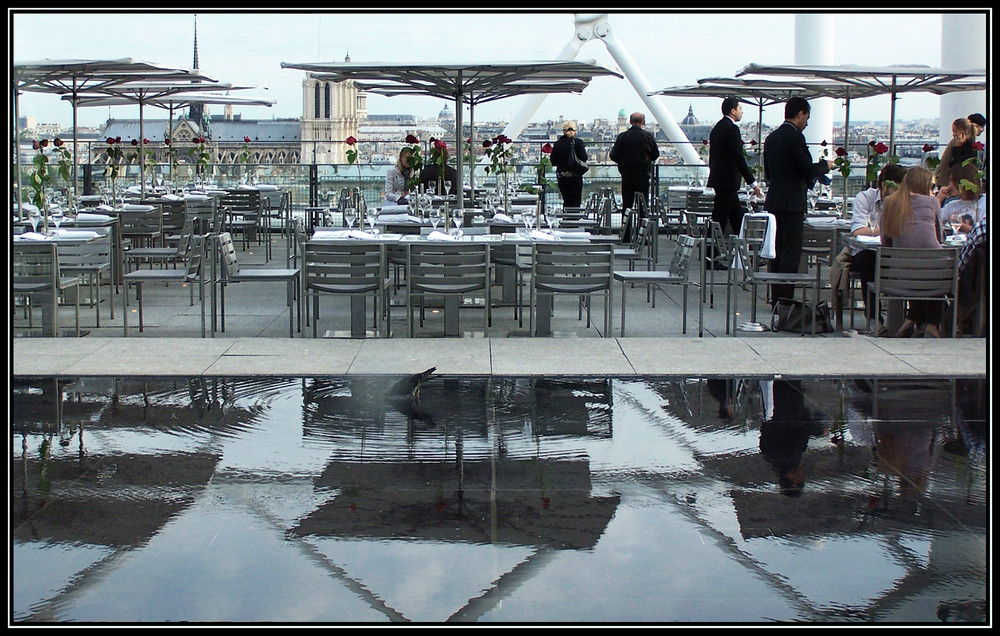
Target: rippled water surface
{"points": [[498, 500]]}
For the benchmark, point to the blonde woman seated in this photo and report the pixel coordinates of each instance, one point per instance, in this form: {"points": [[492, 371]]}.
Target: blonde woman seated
{"points": [[911, 217], [396, 189]]}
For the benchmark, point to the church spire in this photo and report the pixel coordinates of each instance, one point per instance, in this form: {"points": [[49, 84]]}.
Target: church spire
{"points": [[196, 112]]}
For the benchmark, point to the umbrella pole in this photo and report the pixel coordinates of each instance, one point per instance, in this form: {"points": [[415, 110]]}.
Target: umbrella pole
{"points": [[472, 156], [892, 115], [17, 157], [847, 119], [142, 158], [458, 134]]}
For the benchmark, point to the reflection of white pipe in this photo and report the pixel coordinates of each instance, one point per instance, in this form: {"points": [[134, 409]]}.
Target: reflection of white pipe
{"points": [[589, 26]]}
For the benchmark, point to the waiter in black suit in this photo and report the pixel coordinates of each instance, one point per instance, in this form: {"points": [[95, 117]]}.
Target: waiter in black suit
{"points": [[789, 171], [727, 167]]}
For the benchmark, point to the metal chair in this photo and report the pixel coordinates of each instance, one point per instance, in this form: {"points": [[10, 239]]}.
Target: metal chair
{"points": [[232, 273], [91, 260], [245, 214], [676, 274], [164, 255], [641, 247], [349, 267], [917, 274], [35, 271], [579, 269], [188, 275], [745, 262], [142, 228], [451, 270]]}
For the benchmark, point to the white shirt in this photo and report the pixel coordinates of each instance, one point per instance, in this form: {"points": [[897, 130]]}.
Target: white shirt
{"points": [[975, 209], [866, 203]]}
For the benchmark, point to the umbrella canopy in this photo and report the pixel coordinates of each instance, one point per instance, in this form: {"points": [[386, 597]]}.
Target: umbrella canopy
{"points": [[75, 76], [465, 83], [177, 100], [883, 79]]}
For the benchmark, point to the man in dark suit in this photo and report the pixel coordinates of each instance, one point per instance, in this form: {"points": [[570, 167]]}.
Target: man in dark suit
{"points": [[728, 168], [634, 151], [789, 171]]}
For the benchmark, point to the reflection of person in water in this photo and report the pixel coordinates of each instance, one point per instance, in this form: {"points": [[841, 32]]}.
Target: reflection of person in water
{"points": [[785, 432], [722, 390]]}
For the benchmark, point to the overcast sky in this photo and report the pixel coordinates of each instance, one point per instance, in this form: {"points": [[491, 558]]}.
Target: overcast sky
{"points": [[670, 49]]}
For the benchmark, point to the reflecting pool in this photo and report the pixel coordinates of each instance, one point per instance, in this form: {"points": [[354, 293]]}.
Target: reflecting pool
{"points": [[528, 500]]}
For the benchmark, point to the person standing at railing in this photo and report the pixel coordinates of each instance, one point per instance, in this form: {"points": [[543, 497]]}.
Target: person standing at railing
{"points": [[790, 172], [396, 190], [563, 151], [634, 151], [728, 167]]}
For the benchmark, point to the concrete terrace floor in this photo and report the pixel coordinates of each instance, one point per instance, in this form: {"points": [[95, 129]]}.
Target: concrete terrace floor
{"points": [[256, 341]]}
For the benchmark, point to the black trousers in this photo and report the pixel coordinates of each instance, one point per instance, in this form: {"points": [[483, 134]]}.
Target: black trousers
{"points": [[788, 251], [571, 189], [632, 184], [727, 209]]}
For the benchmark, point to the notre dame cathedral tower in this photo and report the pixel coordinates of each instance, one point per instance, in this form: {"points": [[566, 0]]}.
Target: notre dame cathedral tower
{"points": [[330, 114]]}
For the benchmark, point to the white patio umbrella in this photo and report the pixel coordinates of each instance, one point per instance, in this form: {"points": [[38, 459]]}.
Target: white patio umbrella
{"points": [[882, 80], [470, 83], [73, 77], [177, 100]]}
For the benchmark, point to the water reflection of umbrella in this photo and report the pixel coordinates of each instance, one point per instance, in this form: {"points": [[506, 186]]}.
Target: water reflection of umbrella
{"points": [[74, 77], [883, 79], [179, 100], [465, 83]]}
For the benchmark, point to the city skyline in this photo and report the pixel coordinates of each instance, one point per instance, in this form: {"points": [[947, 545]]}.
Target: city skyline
{"points": [[167, 38]]}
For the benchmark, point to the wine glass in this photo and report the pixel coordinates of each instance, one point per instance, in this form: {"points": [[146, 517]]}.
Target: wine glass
{"points": [[349, 215], [447, 189], [872, 222], [955, 221], [34, 216], [552, 218], [434, 216], [57, 218], [457, 220], [528, 217], [372, 218]]}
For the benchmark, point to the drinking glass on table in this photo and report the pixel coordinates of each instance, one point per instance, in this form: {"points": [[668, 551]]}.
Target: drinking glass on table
{"points": [[528, 217], [372, 218], [457, 220], [434, 215], [872, 222], [955, 221], [57, 218], [447, 189], [34, 216], [350, 214]]}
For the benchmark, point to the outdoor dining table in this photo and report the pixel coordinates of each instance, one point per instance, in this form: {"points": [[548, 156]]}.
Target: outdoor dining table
{"points": [[50, 313]]}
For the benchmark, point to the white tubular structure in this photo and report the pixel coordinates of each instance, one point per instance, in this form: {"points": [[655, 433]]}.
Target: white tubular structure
{"points": [[588, 27]]}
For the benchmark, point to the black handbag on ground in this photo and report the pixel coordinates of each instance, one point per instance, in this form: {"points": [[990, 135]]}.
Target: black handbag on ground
{"points": [[576, 166], [788, 315]]}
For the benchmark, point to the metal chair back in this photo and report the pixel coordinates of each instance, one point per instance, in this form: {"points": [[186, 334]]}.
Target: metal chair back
{"points": [[447, 269], [572, 268], [917, 274]]}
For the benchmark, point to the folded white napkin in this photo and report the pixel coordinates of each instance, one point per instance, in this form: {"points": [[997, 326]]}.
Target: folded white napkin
{"points": [[170, 197], [394, 209], [80, 234], [137, 207], [334, 234], [266, 187], [503, 218], [874, 240], [397, 218], [87, 217], [440, 236], [539, 235], [105, 207], [28, 207], [32, 236], [194, 196]]}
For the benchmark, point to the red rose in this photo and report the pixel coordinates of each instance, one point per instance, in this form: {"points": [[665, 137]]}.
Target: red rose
{"points": [[166, 141], [57, 142], [504, 139], [118, 140], [34, 144], [110, 140], [440, 144], [823, 143], [44, 143], [841, 152], [487, 143], [753, 142], [547, 148], [135, 142], [145, 141], [350, 141], [246, 140], [881, 148], [704, 142], [978, 145], [928, 147], [411, 139], [872, 143]]}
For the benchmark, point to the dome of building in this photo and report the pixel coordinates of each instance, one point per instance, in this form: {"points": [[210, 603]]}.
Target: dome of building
{"points": [[690, 120], [622, 113], [445, 113]]}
